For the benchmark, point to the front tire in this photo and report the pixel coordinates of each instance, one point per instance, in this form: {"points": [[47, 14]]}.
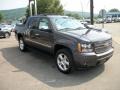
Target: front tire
{"points": [[7, 35], [22, 45], [64, 61]]}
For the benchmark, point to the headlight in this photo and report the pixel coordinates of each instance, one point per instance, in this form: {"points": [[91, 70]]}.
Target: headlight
{"points": [[84, 48]]}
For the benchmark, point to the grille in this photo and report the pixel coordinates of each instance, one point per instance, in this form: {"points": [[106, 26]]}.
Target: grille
{"points": [[101, 47]]}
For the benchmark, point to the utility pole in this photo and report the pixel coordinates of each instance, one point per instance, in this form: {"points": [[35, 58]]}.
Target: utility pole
{"points": [[102, 19], [91, 12], [82, 9]]}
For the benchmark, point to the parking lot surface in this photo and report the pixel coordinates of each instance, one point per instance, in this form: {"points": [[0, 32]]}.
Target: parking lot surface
{"points": [[35, 70], [114, 29]]}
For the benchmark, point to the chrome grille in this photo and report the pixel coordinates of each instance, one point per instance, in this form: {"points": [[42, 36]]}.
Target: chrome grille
{"points": [[103, 46]]}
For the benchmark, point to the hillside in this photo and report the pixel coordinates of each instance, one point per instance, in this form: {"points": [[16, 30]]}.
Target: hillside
{"points": [[17, 13], [84, 14], [13, 14]]}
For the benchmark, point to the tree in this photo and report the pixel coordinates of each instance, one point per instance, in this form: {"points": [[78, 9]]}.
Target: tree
{"points": [[114, 10], [48, 6], [102, 12], [1, 17], [77, 16]]}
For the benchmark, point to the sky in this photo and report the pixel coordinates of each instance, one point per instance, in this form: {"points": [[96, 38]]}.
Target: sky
{"points": [[71, 5]]}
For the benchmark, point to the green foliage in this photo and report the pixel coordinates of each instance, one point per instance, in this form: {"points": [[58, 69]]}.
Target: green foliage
{"points": [[27, 12], [13, 14], [48, 6], [102, 13], [1, 17], [77, 16], [81, 14], [114, 10]]}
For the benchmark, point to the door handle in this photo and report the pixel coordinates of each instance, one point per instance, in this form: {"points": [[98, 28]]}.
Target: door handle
{"points": [[37, 34]]}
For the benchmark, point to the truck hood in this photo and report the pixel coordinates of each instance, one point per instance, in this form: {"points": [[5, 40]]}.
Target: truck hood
{"points": [[90, 35]]}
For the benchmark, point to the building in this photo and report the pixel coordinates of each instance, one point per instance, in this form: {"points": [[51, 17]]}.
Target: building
{"points": [[113, 14]]}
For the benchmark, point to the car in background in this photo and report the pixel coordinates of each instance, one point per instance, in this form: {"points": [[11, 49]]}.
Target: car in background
{"points": [[5, 31], [82, 22], [100, 20], [108, 20], [116, 19], [13, 28], [87, 20]]}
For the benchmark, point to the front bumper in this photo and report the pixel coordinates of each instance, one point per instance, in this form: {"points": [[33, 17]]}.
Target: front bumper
{"points": [[91, 59], [2, 33]]}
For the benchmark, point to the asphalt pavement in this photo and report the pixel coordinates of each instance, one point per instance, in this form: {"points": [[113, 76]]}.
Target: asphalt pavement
{"points": [[114, 29]]}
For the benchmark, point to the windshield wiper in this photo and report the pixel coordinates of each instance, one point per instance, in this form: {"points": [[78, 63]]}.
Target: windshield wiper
{"points": [[66, 29], [79, 28]]}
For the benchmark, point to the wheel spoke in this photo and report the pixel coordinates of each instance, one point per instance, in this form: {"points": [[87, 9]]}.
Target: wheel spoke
{"points": [[61, 65], [66, 62], [63, 62], [60, 57], [21, 45], [59, 62], [65, 67]]}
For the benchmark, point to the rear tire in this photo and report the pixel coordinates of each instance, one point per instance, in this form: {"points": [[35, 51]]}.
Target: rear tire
{"points": [[22, 45], [64, 61]]}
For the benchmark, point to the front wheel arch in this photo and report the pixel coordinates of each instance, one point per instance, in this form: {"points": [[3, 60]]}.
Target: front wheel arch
{"points": [[60, 46]]}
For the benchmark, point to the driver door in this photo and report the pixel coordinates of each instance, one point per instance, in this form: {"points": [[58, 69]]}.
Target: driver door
{"points": [[43, 35]]}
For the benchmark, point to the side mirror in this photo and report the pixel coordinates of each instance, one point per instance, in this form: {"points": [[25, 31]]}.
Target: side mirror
{"points": [[49, 30], [32, 27]]}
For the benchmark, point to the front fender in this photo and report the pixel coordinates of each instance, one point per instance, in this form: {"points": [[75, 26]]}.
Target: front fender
{"points": [[70, 43]]}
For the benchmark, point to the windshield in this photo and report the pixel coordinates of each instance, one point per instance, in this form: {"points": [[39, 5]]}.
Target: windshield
{"points": [[67, 23]]}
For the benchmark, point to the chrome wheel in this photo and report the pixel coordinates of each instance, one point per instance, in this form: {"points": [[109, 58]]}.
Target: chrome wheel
{"points": [[63, 62]]}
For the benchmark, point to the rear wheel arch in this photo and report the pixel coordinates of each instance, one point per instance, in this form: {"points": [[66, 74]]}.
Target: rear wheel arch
{"points": [[19, 36]]}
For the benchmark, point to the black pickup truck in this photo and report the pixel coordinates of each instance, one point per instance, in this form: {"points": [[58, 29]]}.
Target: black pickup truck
{"points": [[72, 44]]}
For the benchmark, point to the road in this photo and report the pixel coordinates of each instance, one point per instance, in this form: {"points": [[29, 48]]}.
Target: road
{"points": [[35, 70]]}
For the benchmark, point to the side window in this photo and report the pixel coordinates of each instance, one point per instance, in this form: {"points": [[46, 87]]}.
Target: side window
{"points": [[43, 24], [33, 23]]}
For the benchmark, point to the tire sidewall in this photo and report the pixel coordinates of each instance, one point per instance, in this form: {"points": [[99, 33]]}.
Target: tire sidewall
{"points": [[23, 43], [7, 35], [69, 56]]}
